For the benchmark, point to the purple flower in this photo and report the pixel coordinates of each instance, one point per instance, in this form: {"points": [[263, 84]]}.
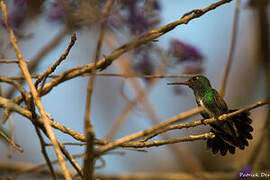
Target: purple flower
{"points": [[142, 63], [18, 13], [56, 10], [114, 20], [193, 69], [184, 51], [138, 23], [156, 5], [23, 10], [137, 17], [20, 2], [17, 17], [129, 2]]}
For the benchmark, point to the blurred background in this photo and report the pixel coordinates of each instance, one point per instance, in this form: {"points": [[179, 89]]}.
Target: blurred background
{"points": [[202, 46]]}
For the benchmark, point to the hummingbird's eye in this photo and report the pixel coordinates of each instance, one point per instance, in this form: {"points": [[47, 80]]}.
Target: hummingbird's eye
{"points": [[194, 78]]}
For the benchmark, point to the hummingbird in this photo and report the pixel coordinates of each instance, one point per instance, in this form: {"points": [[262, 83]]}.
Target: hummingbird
{"points": [[231, 133]]}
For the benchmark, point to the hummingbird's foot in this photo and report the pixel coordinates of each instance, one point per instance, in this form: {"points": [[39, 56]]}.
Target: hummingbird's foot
{"points": [[203, 122]]}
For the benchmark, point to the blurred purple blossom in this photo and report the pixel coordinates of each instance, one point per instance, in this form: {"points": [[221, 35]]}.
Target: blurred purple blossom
{"points": [[56, 10], [193, 69], [143, 63], [129, 2], [156, 5], [20, 2], [135, 15], [17, 17], [184, 51], [22, 10], [18, 13], [144, 66], [114, 20], [138, 23]]}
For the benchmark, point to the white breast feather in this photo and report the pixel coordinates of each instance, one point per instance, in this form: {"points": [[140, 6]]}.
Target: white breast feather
{"points": [[205, 109]]}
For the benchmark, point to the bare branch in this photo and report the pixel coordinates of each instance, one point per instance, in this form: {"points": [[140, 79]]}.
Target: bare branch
{"points": [[35, 76], [232, 48], [11, 142], [52, 68], [143, 39], [26, 73], [206, 121], [10, 61], [89, 159]]}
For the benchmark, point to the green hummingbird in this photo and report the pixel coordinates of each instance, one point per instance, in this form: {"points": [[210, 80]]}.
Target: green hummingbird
{"points": [[230, 133]]}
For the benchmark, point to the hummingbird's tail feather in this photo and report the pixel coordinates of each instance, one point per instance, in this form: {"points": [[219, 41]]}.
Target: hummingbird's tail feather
{"points": [[236, 134], [218, 144]]}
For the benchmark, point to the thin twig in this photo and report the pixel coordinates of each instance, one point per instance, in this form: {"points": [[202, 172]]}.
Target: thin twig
{"points": [[34, 92], [137, 135], [10, 61], [1, 91], [16, 85], [44, 152], [43, 52], [52, 68], [11, 142], [140, 144], [71, 159], [89, 159], [69, 144], [22, 168], [126, 76], [35, 168], [9, 104], [12, 134], [68, 156], [31, 106], [232, 48]]}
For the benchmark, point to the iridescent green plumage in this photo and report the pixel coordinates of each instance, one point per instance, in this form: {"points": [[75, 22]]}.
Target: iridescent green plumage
{"points": [[231, 133]]}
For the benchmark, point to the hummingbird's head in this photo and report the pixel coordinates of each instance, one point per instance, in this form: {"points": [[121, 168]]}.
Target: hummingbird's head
{"points": [[196, 83]]}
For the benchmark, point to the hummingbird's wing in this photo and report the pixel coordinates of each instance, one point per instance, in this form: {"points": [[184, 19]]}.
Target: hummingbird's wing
{"points": [[216, 106], [219, 101], [234, 132], [214, 103]]}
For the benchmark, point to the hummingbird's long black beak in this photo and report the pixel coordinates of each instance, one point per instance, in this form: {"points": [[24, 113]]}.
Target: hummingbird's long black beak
{"points": [[179, 83]]}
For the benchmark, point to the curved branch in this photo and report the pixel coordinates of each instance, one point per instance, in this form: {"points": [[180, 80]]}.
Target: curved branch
{"points": [[143, 39]]}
